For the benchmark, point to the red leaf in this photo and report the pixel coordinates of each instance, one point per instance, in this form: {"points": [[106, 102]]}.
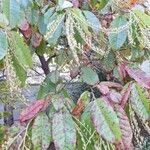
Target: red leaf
{"points": [[32, 110], [24, 25], [76, 3], [127, 135], [125, 95], [115, 97], [27, 33], [140, 76], [102, 88], [77, 111], [122, 71], [112, 84]]}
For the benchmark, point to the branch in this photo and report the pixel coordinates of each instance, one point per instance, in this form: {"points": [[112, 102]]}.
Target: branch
{"points": [[44, 64]]}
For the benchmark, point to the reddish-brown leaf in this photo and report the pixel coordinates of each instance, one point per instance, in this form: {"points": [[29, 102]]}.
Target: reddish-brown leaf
{"points": [[27, 33], [127, 135], [102, 88], [76, 3], [36, 40], [24, 25], [126, 95], [32, 110], [112, 84], [77, 111], [122, 71], [115, 97], [140, 76]]}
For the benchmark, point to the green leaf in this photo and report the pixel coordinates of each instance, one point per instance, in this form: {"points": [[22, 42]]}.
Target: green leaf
{"points": [[89, 76], [11, 9], [3, 21], [105, 121], [64, 4], [85, 97], [21, 50], [46, 87], [80, 18], [3, 44], [87, 130], [140, 103], [20, 72], [54, 76], [48, 14], [92, 20], [41, 132], [41, 25], [118, 37], [63, 131], [60, 2], [54, 28], [143, 18], [32, 16]]}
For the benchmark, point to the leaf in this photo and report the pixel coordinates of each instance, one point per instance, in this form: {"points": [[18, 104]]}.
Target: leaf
{"points": [[46, 87], [36, 39], [143, 18], [32, 110], [75, 3], [24, 25], [140, 103], [140, 76], [121, 70], [115, 97], [92, 20], [79, 17], [63, 131], [11, 9], [3, 44], [65, 4], [21, 50], [102, 88], [32, 15], [54, 28], [41, 132], [105, 121], [145, 66], [117, 38], [54, 76], [20, 72], [89, 76], [82, 102], [48, 14], [126, 130], [125, 94], [3, 20], [58, 102]]}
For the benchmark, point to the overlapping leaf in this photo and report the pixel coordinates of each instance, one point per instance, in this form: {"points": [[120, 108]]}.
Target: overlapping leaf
{"points": [[89, 76], [20, 72], [140, 76], [54, 28], [118, 37], [3, 44], [63, 131], [11, 8], [81, 103], [21, 50], [92, 20], [41, 132], [127, 135], [32, 110], [140, 103], [105, 121]]}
